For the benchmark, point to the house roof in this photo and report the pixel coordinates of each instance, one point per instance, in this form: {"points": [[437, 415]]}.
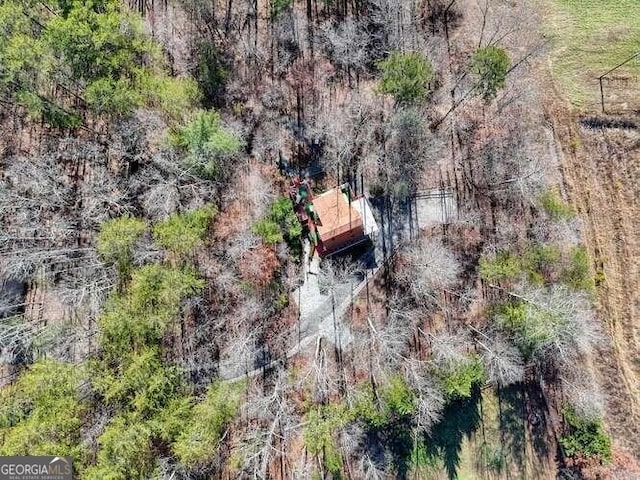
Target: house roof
{"points": [[336, 214]]}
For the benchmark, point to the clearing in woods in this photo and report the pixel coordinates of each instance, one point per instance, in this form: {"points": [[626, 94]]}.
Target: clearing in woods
{"points": [[590, 38], [601, 170]]}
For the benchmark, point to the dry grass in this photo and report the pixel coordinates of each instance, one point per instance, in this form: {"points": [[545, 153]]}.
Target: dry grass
{"points": [[590, 37]]}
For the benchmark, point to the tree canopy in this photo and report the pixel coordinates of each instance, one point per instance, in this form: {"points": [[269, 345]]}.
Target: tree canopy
{"points": [[406, 76], [489, 66], [56, 60], [209, 146]]}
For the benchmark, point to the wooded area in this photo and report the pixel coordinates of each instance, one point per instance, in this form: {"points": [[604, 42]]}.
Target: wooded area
{"points": [[153, 318]]}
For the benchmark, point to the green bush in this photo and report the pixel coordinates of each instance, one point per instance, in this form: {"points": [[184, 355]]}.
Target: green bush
{"points": [[116, 240], [503, 266], [269, 231], [398, 399], [280, 224], [43, 413], [367, 409], [321, 424], [577, 273], [585, 437], [141, 383], [208, 144], [115, 96], [278, 6], [139, 317], [459, 378], [553, 204], [395, 400], [534, 329], [183, 232], [406, 76], [282, 212], [539, 260], [201, 436], [125, 450], [102, 51], [211, 73], [489, 66]]}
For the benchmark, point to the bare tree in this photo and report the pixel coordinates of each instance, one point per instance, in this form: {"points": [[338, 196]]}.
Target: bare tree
{"points": [[346, 43], [430, 398], [558, 325], [275, 423], [427, 268], [503, 361], [582, 391], [397, 20], [450, 348]]}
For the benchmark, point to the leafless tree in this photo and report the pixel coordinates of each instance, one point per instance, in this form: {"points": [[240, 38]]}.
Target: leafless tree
{"points": [[560, 324], [397, 19], [430, 398], [427, 268], [582, 391], [346, 43], [369, 469], [408, 149], [382, 349], [347, 132], [275, 424], [450, 348], [503, 362]]}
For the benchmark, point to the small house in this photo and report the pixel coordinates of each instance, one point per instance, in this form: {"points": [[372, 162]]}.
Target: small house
{"points": [[341, 220]]}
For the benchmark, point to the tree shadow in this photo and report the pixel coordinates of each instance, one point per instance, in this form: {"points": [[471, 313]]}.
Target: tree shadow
{"points": [[460, 419], [537, 419], [392, 445], [511, 410]]}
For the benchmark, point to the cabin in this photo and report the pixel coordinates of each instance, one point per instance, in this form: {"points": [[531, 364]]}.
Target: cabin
{"points": [[336, 220]]}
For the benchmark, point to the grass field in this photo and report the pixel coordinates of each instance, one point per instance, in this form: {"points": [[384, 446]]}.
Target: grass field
{"points": [[590, 37], [488, 438]]}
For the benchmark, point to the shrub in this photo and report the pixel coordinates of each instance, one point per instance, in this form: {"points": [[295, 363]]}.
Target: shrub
{"points": [[459, 378], [201, 437], [489, 65], [42, 412], [539, 261], [503, 266], [585, 437], [269, 231], [114, 96], [398, 398], [99, 47], [126, 450], [142, 384], [183, 232], [280, 224], [553, 323], [406, 76], [116, 240], [577, 274], [208, 144], [553, 204], [282, 213], [278, 6], [139, 317], [321, 423]]}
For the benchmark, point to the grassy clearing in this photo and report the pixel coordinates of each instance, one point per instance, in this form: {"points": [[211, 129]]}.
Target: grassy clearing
{"points": [[592, 36], [488, 440]]}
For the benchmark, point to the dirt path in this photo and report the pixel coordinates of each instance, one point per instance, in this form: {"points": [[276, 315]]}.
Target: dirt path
{"points": [[601, 171]]}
